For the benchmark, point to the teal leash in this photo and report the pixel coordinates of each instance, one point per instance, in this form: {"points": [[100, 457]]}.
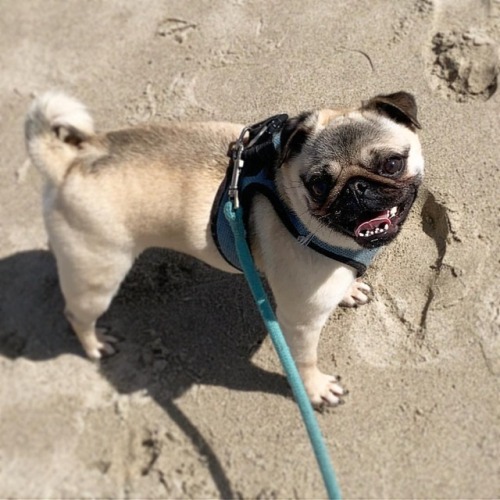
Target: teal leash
{"points": [[235, 219]]}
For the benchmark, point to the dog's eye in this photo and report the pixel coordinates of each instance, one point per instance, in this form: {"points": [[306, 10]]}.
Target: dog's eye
{"points": [[393, 165], [319, 187]]}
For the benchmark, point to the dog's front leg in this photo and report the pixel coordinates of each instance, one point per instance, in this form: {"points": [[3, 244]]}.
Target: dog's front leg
{"points": [[302, 328], [305, 297], [307, 287]]}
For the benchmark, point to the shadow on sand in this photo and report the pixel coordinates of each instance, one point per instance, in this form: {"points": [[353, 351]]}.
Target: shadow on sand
{"points": [[180, 322]]}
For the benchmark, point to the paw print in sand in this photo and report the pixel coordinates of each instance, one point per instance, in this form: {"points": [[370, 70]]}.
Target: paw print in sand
{"points": [[466, 65]]}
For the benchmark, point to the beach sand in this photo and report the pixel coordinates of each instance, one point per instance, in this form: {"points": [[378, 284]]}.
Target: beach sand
{"points": [[195, 404]]}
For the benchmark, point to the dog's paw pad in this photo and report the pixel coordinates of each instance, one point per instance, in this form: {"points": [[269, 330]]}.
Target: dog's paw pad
{"points": [[323, 390], [357, 295]]}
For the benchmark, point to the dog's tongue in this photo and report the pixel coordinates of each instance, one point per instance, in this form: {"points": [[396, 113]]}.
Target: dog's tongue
{"points": [[370, 225]]}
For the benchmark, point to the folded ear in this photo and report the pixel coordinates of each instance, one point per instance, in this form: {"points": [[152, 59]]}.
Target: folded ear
{"points": [[400, 107], [295, 133]]}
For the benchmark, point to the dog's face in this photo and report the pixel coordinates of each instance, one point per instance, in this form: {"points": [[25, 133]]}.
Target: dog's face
{"points": [[356, 172]]}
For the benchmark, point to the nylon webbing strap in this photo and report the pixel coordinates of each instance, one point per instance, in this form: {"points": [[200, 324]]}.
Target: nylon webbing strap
{"points": [[235, 219]]}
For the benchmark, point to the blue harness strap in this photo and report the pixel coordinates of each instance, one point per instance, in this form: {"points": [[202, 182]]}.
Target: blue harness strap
{"points": [[258, 177]]}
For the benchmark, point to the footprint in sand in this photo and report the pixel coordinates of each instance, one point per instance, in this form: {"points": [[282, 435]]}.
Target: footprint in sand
{"points": [[465, 65], [177, 29], [463, 57]]}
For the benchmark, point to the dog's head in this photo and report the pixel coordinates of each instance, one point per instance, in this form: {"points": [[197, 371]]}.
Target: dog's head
{"points": [[353, 171]]}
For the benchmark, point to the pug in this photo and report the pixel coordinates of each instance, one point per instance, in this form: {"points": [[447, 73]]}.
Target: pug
{"points": [[348, 177]]}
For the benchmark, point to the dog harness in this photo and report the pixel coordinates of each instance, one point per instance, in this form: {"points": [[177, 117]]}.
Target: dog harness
{"points": [[251, 171]]}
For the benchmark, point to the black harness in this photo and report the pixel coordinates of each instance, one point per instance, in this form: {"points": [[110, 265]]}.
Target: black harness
{"points": [[256, 164]]}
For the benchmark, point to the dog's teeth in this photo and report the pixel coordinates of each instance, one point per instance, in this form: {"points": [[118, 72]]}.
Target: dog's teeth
{"points": [[386, 227], [394, 211]]}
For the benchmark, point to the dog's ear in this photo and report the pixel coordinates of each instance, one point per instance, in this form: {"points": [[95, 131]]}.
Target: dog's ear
{"points": [[400, 107], [295, 133]]}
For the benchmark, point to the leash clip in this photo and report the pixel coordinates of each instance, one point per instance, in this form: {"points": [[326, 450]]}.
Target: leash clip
{"points": [[255, 132], [238, 163]]}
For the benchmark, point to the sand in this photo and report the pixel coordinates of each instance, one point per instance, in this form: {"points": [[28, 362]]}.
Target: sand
{"points": [[195, 404]]}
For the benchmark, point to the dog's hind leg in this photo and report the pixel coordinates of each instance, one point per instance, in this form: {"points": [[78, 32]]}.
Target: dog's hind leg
{"points": [[89, 284]]}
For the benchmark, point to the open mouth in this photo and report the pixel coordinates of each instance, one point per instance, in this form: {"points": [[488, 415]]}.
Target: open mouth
{"points": [[373, 220], [382, 224]]}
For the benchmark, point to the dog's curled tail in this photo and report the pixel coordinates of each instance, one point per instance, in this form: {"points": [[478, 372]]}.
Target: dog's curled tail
{"points": [[55, 127]]}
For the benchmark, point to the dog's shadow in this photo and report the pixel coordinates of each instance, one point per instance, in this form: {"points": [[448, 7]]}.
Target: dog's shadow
{"points": [[180, 322]]}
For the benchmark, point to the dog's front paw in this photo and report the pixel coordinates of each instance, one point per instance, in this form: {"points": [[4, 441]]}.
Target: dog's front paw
{"points": [[322, 389], [357, 295], [99, 345]]}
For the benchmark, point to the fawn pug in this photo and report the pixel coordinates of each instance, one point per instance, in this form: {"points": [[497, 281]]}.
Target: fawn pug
{"points": [[349, 176]]}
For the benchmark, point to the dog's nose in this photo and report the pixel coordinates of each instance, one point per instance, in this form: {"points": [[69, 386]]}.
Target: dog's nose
{"points": [[360, 186]]}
